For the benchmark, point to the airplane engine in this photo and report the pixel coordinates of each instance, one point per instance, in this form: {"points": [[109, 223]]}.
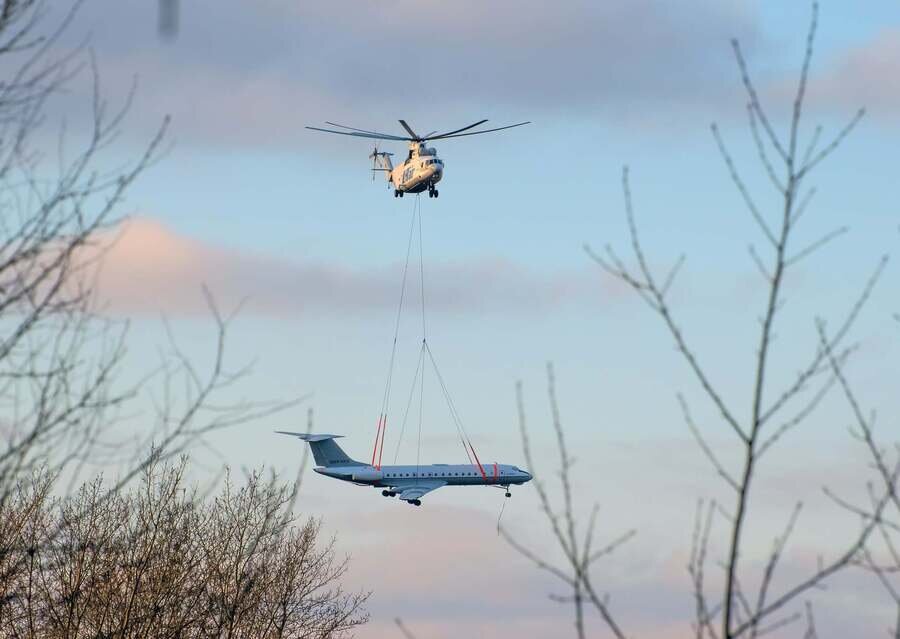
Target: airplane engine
{"points": [[367, 474]]}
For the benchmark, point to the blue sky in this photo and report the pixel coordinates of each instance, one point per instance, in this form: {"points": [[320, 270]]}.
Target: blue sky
{"points": [[255, 206]]}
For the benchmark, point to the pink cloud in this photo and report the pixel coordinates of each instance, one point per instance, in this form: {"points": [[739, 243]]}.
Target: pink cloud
{"points": [[865, 76], [149, 268]]}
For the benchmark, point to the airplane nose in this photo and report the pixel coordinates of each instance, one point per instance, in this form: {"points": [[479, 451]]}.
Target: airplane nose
{"points": [[528, 476]]}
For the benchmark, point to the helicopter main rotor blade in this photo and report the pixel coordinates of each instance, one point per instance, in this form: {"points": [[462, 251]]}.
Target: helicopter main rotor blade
{"points": [[376, 136], [350, 128], [431, 135], [461, 135], [409, 130]]}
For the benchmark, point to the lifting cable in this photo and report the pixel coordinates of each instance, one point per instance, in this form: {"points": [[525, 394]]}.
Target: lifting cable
{"points": [[382, 418], [460, 429], [424, 338], [419, 376], [412, 390]]}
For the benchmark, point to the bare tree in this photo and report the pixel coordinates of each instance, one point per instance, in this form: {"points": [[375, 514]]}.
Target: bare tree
{"points": [[747, 606], [60, 359], [880, 555], [156, 561], [579, 549], [160, 558]]}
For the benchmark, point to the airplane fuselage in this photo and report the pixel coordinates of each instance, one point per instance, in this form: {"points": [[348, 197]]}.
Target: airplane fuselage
{"points": [[407, 483], [448, 474]]}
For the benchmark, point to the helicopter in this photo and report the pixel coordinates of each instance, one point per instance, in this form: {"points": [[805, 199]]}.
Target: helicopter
{"points": [[422, 169]]}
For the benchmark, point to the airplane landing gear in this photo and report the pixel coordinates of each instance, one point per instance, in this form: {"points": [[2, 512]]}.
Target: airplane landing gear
{"points": [[385, 493], [508, 494], [415, 502], [433, 192], [388, 493], [398, 193]]}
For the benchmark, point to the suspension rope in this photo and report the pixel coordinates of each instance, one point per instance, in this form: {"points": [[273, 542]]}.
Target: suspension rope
{"points": [[421, 411], [386, 397], [457, 420], [419, 377], [421, 269], [412, 391], [424, 339], [500, 516]]}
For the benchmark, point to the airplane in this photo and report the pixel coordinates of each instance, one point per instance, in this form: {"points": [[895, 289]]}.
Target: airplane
{"points": [[408, 483], [422, 168]]}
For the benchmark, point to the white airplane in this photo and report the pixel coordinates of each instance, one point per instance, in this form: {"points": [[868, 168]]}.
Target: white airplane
{"points": [[409, 483], [422, 168]]}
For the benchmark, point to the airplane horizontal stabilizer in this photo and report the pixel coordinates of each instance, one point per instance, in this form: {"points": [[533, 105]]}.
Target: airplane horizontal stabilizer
{"points": [[309, 437]]}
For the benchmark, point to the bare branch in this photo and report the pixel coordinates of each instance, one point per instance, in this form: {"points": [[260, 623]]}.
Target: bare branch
{"points": [[834, 144], [754, 101], [816, 245], [739, 183], [656, 299], [759, 265], [720, 468], [761, 150]]}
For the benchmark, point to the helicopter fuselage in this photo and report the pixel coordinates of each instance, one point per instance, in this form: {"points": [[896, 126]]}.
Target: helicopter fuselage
{"points": [[421, 171]]}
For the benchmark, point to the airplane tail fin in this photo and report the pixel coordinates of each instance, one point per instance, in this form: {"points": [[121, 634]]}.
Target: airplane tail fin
{"points": [[325, 450]]}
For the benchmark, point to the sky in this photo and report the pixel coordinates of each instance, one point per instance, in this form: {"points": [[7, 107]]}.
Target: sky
{"points": [[288, 223]]}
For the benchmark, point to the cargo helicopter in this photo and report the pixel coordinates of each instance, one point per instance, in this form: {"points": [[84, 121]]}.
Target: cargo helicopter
{"points": [[422, 169]]}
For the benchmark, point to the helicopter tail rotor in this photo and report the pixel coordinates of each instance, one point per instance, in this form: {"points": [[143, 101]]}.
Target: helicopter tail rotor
{"points": [[381, 161]]}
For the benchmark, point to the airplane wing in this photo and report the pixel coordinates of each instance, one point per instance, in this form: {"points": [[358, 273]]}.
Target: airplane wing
{"points": [[419, 490]]}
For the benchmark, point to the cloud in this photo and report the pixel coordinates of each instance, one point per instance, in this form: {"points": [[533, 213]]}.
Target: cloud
{"points": [[148, 268], [258, 71], [443, 570], [450, 575], [864, 76]]}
